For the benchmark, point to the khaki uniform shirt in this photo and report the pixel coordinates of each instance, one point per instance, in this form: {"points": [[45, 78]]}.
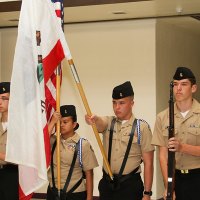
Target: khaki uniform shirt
{"points": [[67, 148], [187, 130], [121, 135], [3, 139]]}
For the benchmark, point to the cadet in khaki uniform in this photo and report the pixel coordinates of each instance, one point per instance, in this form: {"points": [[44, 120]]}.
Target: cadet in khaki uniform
{"points": [[69, 139], [8, 172], [127, 182], [186, 142]]}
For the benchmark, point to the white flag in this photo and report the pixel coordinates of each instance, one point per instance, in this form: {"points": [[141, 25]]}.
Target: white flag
{"points": [[28, 140]]}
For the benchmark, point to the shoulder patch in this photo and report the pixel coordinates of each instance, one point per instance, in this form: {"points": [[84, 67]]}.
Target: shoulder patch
{"points": [[142, 120]]}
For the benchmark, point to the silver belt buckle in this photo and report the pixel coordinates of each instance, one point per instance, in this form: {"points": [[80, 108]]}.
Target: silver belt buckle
{"points": [[184, 171]]}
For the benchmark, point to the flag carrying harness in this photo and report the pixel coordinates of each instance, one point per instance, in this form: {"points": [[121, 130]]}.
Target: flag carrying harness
{"points": [[63, 193], [118, 178]]}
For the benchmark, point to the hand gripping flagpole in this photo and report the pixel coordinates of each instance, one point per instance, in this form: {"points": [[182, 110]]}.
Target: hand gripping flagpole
{"points": [[85, 102]]}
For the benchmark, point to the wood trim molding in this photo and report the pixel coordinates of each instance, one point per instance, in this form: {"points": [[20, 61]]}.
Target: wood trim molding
{"points": [[74, 3], [10, 6], [16, 5]]}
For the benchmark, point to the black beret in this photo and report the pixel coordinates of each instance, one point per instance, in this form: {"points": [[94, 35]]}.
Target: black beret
{"points": [[123, 90], [69, 111], [183, 73], [4, 87]]}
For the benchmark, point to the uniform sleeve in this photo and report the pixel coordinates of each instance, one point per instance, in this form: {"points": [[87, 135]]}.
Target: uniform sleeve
{"points": [[88, 156], [158, 139], [107, 120], [146, 137], [52, 140]]}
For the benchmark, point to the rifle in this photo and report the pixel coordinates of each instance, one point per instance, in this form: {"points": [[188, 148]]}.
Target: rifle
{"points": [[171, 155]]}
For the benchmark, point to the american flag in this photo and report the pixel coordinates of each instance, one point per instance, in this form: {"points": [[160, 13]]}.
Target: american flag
{"points": [[59, 9]]}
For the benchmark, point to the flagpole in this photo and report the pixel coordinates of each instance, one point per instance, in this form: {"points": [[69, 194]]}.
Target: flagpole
{"points": [[58, 128], [85, 102], [58, 81]]}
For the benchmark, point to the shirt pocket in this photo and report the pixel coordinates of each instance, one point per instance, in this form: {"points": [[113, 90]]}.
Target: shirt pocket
{"points": [[66, 155], [165, 133], [193, 136], [135, 147]]}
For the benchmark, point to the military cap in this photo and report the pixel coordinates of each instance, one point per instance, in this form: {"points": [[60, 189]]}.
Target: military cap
{"points": [[123, 90], [4, 87], [69, 111], [184, 73]]}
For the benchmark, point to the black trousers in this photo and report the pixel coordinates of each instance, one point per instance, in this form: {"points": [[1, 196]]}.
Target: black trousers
{"points": [[187, 186], [51, 195], [9, 184], [131, 188]]}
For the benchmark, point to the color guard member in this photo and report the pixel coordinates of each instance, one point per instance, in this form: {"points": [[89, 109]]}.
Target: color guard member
{"points": [[72, 149], [120, 133], [8, 172], [186, 143]]}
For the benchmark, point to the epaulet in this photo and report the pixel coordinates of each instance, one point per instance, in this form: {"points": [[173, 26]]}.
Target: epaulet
{"points": [[142, 120], [80, 151], [138, 129]]}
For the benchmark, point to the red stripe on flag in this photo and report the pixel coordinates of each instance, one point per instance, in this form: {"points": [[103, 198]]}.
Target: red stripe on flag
{"points": [[50, 102], [53, 79], [50, 97], [51, 61], [58, 13], [22, 196]]}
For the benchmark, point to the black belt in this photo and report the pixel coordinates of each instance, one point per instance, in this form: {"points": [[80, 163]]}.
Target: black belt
{"points": [[187, 171], [122, 177], [118, 179], [8, 166]]}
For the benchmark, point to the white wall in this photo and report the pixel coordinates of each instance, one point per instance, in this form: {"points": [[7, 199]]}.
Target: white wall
{"points": [[0, 56], [106, 54], [109, 53], [175, 46], [8, 40]]}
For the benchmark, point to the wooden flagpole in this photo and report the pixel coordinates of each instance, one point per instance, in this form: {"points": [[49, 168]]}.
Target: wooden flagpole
{"points": [[58, 81], [85, 102], [58, 128]]}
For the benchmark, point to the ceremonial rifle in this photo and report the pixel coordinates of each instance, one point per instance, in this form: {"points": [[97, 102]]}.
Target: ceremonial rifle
{"points": [[171, 155]]}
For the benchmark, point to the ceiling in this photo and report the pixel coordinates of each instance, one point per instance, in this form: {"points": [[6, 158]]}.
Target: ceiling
{"points": [[185, 13]]}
